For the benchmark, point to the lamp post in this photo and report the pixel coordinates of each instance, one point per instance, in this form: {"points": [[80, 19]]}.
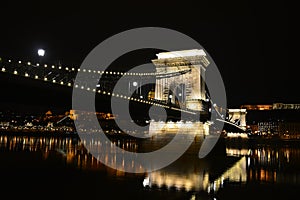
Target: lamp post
{"points": [[134, 84], [41, 54]]}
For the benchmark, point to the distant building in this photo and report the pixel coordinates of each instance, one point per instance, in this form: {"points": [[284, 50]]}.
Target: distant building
{"points": [[151, 95], [75, 114], [285, 106], [271, 127], [278, 118], [257, 107], [274, 106], [290, 129]]}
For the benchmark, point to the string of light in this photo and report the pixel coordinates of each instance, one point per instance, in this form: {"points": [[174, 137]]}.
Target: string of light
{"points": [[120, 73], [103, 92]]}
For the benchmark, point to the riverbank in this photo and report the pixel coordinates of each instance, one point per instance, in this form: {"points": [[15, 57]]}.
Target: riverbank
{"points": [[255, 141], [54, 133], [39, 133], [62, 133]]}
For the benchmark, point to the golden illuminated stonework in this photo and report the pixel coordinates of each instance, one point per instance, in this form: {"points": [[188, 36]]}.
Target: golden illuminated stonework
{"points": [[186, 89]]}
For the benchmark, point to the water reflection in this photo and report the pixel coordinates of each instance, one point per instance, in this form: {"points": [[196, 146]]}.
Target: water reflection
{"points": [[277, 165], [272, 164], [235, 174], [190, 174]]}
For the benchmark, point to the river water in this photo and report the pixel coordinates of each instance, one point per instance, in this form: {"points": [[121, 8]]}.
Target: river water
{"points": [[40, 167]]}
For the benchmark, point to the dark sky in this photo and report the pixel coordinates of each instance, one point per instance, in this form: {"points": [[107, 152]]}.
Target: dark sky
{"points": [[248, 40]]}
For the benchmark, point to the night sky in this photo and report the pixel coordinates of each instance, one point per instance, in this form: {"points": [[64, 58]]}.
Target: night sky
{"points": [[248, 40]]}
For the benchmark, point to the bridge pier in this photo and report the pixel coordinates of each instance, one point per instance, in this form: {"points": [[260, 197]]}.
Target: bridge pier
{"points": [[197, 128]]}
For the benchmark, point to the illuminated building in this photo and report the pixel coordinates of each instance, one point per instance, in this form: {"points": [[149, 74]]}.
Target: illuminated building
{"points": [[285, 106], [270, 127], [74, 114], [257, 107], [279, 119], [151, 95], [274, 106]]}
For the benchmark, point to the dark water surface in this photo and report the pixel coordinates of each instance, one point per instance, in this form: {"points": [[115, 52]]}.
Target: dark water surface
{"points": [[60, 167]]}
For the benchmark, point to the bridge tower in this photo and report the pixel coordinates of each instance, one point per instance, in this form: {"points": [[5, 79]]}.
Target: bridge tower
{"points": [[189, 86], [238, 117]]}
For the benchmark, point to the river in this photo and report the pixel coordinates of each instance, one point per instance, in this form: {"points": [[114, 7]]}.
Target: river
{"points": [[38, 167]]}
